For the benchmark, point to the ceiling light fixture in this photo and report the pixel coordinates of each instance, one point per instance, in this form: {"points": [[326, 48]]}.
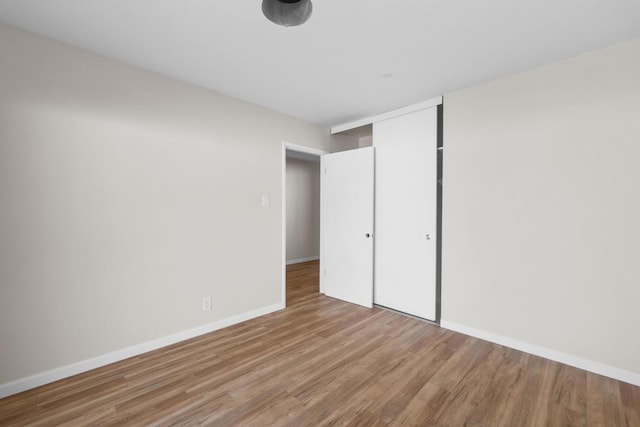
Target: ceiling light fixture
{"points": [[287, 13]]}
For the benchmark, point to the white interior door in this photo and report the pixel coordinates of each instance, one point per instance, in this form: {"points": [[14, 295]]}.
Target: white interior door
{"points": [[406, 210], [347, 225]]}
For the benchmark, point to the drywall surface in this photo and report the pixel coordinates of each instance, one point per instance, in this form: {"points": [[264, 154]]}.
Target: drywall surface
{"points": [[125, 198], [365, 141], [541, 207], [303, 210]]}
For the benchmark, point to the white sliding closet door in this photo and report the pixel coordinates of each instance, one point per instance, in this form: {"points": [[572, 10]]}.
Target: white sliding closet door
{"points": [[406, 210]]}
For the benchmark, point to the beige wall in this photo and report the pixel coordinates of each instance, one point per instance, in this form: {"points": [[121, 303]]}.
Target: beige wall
{"points": [[542, 207], [125, 197], [365, 141], [303, 209]]}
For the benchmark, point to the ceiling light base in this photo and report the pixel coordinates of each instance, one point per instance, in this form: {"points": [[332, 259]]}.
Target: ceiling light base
{"points": [[287, 13]]}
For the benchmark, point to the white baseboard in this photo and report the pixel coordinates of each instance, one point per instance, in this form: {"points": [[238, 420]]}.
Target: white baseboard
{"points": [[47, 377], [299, 260], [568, 359]]}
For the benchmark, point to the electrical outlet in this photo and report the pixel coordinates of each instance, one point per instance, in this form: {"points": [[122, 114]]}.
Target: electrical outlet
{"points": [[206, 304]]}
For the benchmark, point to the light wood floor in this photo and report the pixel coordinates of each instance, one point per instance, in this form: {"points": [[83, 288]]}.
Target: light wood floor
{"points": [[325, 362]]}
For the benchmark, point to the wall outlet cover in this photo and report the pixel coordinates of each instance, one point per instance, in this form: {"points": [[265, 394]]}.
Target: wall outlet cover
{"points": [[206, 304]]}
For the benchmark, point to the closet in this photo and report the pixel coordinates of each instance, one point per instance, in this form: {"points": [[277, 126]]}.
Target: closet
{"points": [[406, 167]]}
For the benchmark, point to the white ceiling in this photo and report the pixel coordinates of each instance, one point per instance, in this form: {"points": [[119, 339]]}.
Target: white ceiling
{"points": [[330, 70]]}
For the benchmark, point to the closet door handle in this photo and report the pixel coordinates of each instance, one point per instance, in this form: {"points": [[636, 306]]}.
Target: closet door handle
{"points": [[367, 235], [428, 236]]}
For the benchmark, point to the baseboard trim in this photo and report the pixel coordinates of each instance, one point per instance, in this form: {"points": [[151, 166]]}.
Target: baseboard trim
{"points": [[557, 356], [299, 260], [23, 384]]}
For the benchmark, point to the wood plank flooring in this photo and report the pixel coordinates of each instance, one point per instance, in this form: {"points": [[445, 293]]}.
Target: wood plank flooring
{"points": [[325, 362]]}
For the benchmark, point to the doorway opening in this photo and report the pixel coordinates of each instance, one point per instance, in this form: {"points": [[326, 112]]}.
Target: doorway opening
{"points": [[301, 219]]}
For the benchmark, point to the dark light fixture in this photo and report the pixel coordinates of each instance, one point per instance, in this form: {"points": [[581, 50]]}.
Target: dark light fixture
{"points": [[288, 13]]}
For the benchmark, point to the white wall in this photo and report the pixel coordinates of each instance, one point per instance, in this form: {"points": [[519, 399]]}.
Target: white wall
{"points": [[303, 210], [125, 198], [541, 233]]}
